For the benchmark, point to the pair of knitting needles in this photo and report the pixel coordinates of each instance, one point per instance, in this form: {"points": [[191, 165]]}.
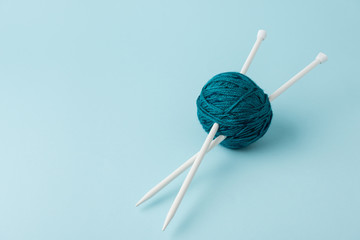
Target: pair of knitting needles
{"points": [[209, 143]]}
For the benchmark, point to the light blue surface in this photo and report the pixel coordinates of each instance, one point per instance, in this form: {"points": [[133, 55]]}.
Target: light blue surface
{"points": [[97, 103]]}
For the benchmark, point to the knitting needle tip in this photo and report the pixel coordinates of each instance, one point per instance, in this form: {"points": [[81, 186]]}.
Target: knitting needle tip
{"points": [[167, 220], [143, 199]]}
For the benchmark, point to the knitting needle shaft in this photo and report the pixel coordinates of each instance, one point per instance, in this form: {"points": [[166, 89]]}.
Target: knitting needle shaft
{"points": [[320, 58], [177, 172], [260, 37], [190, 175]]}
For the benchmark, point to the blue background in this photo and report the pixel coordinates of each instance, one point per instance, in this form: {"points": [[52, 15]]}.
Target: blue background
{"points": [[97, 102]]}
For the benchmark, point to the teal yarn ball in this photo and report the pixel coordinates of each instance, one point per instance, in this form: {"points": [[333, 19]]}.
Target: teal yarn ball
{"points": [[238, 105]]}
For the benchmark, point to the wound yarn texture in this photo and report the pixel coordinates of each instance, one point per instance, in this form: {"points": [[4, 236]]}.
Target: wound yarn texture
{"points": [[238, 105]]}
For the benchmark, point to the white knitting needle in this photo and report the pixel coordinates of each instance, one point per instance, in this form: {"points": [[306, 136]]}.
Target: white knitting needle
{"points": [[260, 37], [320, 58]]}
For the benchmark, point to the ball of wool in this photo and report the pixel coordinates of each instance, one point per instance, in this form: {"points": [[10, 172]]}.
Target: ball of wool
{"points": [[238, 105]]}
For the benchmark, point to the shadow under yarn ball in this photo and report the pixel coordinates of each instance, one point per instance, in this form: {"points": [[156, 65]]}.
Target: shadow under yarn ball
{"points": [[238, 105]]}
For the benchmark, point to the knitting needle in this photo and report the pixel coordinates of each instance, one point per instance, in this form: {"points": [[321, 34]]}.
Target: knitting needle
{"points": [[260, 37], [320, 58]]}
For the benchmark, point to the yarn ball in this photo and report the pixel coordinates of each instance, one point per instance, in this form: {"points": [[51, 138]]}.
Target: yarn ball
{"points": [[238, 105]]}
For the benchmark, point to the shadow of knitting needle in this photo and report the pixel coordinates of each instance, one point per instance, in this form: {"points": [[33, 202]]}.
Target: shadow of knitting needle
{"points": [[224, 171]]}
